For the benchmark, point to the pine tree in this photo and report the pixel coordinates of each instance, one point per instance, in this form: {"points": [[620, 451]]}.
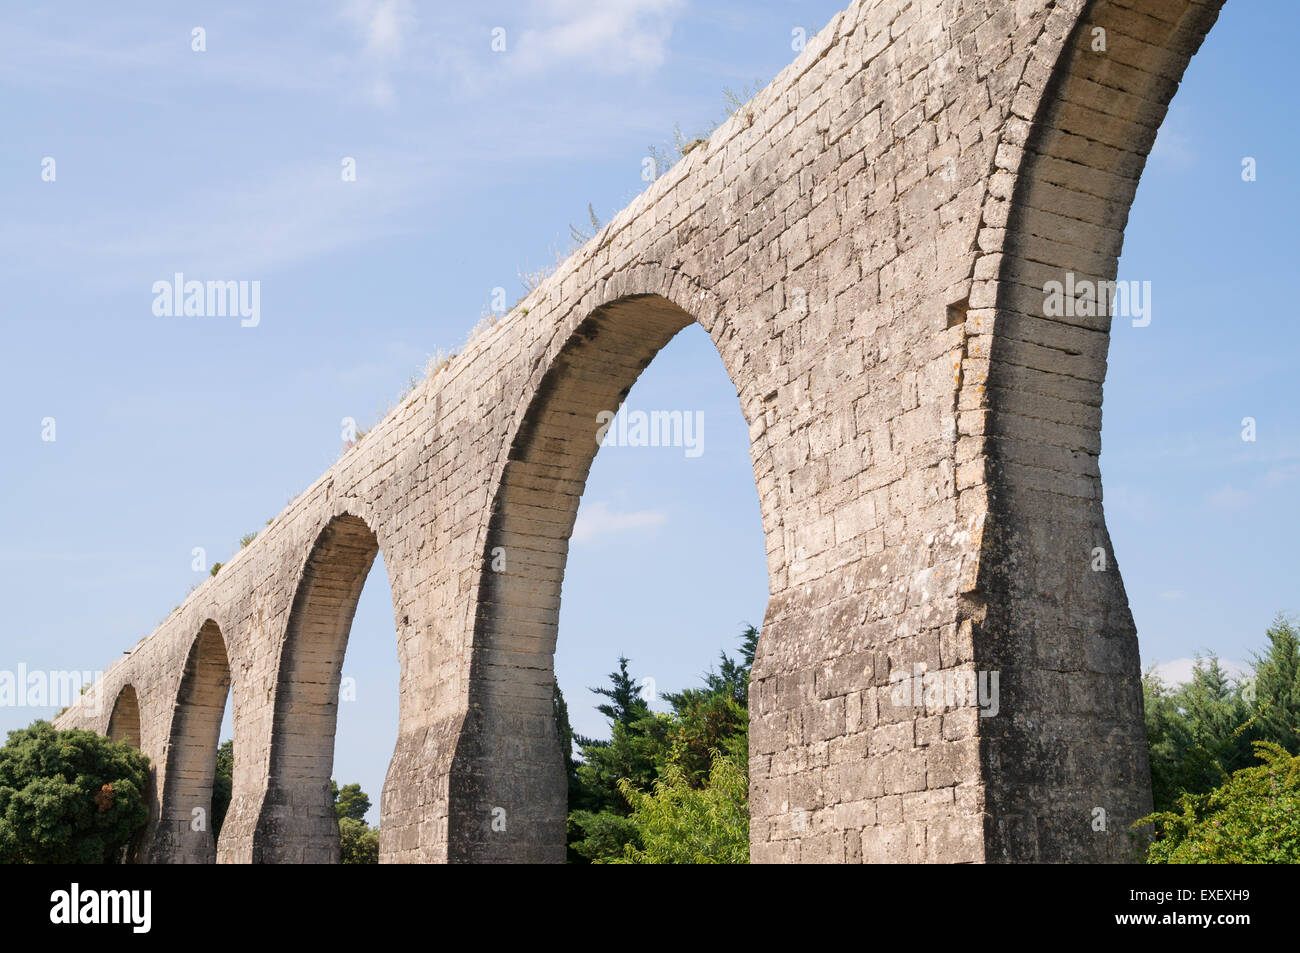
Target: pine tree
{"points": [[1277, 687], [672, 756], [626, 705], [598, 825]]}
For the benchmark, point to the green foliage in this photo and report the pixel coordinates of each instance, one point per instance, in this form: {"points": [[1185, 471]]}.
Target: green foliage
{"points": [[359, 842], [246, 539], [222, 786], [1200, 733], [685, 823], [674, 759], [216, 568], [702, 723], [1213, 803], [626, 706], [1254, 818], [1275, 689], [69, 796], [599, 837], [349, 801], [1193, 732]]}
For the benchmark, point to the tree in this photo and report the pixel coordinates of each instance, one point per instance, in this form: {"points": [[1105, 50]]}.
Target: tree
{"points": [[349, 801], [597, 816], [222, 786], [626, 704], [1276, 687], [358, 842], [1197, 734], [69, 797], [662, 756], [682, 823], [1253, 818], [733, 676], [703, 722], [1202, 732]]}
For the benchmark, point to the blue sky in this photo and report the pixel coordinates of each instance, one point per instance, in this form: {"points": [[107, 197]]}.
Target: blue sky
{"points": [[174, 433]]}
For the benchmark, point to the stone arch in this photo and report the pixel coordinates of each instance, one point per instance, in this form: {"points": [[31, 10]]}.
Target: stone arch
{"points": [[297, 823], [124, 725], [124, 722], [192, 752], [1058, 629], [509, 766]]}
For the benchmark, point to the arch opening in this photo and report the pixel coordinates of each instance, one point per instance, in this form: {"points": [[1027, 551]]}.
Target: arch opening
{"points": [[124, 722], [187, 823], [510, 763], [298, 822]]}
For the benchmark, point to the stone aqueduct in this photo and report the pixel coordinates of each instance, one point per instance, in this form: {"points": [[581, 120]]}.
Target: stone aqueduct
{"points": [[867, 245]]}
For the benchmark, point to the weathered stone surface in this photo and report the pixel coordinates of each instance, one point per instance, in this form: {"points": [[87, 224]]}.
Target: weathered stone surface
{"points": [[867, 244]]}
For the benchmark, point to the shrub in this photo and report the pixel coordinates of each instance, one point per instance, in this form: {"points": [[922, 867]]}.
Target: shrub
{"points": [[1253, 818], [681, 824]]}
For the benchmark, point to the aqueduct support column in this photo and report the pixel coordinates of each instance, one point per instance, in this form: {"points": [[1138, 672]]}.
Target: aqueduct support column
{"points": [[1067, 768]]}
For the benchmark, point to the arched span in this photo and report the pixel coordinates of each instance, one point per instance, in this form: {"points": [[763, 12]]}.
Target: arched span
{"points": [[124, 722], [297, 822], [124, 725], [1059, 629], [185, 833], [511, 767]]}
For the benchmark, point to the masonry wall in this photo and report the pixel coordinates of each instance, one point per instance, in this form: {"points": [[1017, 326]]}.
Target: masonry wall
{"points": [[1059, 626], [865, 244]]}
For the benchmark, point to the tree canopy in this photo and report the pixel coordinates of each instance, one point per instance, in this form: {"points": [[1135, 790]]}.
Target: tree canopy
{"points": [[69, 797], [1214, 803], [358, 841], [681, 774]]}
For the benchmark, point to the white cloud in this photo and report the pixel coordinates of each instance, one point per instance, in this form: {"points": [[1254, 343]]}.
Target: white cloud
{"points": [[241, 229], [1172, 595], [596, 519], [1228, 498], [382, 26], [1178, 671], [613, 36]]}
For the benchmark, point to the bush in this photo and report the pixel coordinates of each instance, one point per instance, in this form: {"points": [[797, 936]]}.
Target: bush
{"points": [[682, 824], [1254, 818], [69, 797]]}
